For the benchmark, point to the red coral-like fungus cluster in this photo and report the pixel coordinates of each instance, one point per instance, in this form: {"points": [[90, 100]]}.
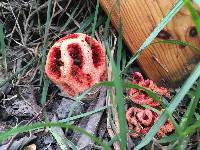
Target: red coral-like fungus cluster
{"points": [[141, 120], [74, 65], [140, 97]]}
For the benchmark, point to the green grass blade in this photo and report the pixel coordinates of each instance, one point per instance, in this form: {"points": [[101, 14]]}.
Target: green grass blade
{"points": [[114, 139], [197, 116], [156, 31], [38, 15], [178, 130], [194, 14], [149, 92], [44, 91], [47, 20], [119, 100], [85, 23], [29, 65], [71, 144], [118, 86], [175, 101], [192, 129], [21, 129], [119, 44], [100, 21], [3, 51], [168, 139], [198, 146], [108, 22], [182, 143], [44, 48], [135, 86], [187, 119], [181, 43], [69, 20], [151, 108], [68, 119], [164, 103], [58, 138], [76, 103], [95, 22], [62, 141], [124, 58]]}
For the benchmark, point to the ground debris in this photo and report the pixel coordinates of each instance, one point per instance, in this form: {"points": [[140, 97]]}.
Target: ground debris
{"points": [[46, 141], [62, 108], [90, 124], [22, 108], [18, 143], [21, 142]]}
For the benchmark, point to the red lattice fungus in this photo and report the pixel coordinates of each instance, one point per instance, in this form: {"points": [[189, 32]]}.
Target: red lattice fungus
{"points": [[140, 97], [74, 65], [141, 120]]}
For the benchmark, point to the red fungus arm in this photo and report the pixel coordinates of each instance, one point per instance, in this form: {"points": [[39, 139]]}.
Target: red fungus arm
{"points": [[140, 122], [140, 97], [73, 65]]}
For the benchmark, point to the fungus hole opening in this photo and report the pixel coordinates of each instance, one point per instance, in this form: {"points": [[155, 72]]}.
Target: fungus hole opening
{"points": [[137, 78], [145, 117], [56, 62], [96, 51], [133, 126], [76, 54]]}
